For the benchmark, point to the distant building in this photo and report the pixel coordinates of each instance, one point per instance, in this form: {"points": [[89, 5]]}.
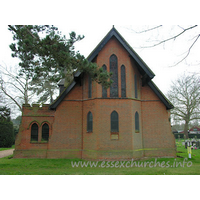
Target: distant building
{"points": [[194, 130]]}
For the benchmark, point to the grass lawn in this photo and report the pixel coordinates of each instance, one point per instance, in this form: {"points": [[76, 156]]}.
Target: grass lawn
{"points": [[161, 166], [3, 149]]}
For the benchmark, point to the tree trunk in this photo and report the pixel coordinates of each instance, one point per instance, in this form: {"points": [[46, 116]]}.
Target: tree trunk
{"points": [[186, 129], [26, 92]]}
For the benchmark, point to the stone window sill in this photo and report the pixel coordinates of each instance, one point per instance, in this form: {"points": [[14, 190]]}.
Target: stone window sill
{"points": [[114, 136], [42, 142]]}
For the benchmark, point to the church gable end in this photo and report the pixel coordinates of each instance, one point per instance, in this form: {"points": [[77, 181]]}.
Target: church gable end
{"points": [[86, 121], [139, 65]]}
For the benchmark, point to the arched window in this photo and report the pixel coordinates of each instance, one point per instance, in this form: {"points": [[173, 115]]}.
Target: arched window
{"points": [[114, 122], [89, 122], [136, 90], [123, 81], [45, 132], [34, 132], [137, 123], [89, 87], [114, 78], [104, 90]]}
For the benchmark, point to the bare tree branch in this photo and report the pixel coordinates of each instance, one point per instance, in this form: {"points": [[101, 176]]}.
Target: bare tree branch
{"points": [[13, 77], [147, 30], [12, 98], [171, 38], [15, 87], [188, 52], [193, 118]]}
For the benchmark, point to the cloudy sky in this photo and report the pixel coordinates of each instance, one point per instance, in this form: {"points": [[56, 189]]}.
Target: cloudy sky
{"points": [[95, 19], [160, 59]]}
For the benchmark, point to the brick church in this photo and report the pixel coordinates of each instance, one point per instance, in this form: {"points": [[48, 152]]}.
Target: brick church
{"points": [[131, 119]]}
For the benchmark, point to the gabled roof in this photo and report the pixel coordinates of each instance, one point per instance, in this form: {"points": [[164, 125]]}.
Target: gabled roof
{"points": [[62, 96], [142, 67], [161, 96], [195, 127]]}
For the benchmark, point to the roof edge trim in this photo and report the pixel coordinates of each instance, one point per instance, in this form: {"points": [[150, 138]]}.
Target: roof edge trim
{"points": [[161, 96], [124, 43], [62, 96]]}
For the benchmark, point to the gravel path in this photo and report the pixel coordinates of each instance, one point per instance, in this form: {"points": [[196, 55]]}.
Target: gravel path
{"points": [[6, 153]]}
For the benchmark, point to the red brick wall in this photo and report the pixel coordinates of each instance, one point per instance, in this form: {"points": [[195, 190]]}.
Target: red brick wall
{"points": [[156, 125], [23, 145], [114, 47], [66, 141]]}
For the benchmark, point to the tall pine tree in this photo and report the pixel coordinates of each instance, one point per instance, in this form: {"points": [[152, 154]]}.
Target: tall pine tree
{"points": [[46, 57]]}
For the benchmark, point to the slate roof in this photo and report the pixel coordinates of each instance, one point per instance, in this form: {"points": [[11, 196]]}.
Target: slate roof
{"points": [[141, 65]]}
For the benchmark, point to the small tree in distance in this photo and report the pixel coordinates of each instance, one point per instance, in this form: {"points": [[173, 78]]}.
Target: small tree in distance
{"points": [[15, 88], [185, 96]]}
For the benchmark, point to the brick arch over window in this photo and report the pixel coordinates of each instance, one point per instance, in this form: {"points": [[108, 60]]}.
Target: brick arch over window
{"points": [[89, 122], [45, 132], [104, 90], [137, 123], [114, 121], [114, 78], [34, 132], [123, 81]]}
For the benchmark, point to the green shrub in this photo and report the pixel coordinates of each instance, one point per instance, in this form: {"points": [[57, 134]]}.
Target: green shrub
{"points": [[6, 133], [194, 136], [176, 135]]}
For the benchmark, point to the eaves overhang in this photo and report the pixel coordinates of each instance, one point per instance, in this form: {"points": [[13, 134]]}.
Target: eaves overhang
{"points": [[54, 105], [161, 96]]}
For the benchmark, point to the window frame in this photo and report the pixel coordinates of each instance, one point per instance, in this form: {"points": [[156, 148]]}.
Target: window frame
{"points": [[114, 88], [89, 122], [137, 122], [114, 118], [35, 135], [136, 87], [104, 90], [123, 81], [89, 87], [42, 139]]}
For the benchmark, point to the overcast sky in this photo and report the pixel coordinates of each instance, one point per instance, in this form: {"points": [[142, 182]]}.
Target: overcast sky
{"points": [[160, 59]]}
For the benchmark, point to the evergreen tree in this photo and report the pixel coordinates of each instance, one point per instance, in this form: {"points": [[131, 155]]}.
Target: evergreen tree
{"points": [[49, 58], [6, 128]]}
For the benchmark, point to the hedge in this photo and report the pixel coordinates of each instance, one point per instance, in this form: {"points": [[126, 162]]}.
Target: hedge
{"points": [[6, 134], [189, 135]]}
